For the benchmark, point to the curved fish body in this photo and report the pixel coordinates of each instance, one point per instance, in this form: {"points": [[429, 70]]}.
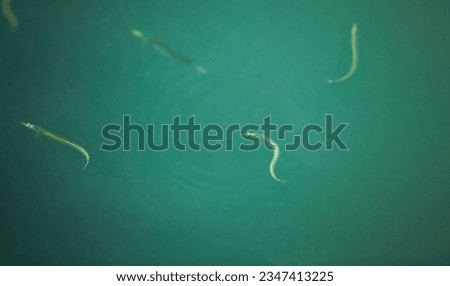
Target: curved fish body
{"points": [[354, 42], [59, 139], [276, 152], [165, 50]]}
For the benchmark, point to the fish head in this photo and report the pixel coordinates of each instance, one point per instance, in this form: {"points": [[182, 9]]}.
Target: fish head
{"points": [[249, 134], [137, 33], [28, 125]]}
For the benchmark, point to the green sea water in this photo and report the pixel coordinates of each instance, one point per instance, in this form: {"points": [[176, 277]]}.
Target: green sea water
{"points": [[73, 67]]}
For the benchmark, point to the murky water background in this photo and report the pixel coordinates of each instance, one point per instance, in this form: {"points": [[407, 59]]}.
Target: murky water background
{"points": [[74, 67]]}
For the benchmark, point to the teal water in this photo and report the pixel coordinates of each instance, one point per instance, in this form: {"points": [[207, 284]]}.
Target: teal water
{"points": [[74, 67]]}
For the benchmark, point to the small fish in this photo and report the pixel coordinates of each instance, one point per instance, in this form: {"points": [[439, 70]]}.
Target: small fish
{"points": [[276, 152], [354, 65], [59, 139], [165, 50]]}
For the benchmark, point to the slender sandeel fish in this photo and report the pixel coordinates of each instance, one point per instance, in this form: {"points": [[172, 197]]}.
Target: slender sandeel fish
{"points": [[354, 45], [59, 139], [276, 152], [165, 50]]}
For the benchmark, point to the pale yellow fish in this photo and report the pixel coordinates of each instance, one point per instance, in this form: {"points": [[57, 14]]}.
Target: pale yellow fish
{"points": [[276, 152], [59, 139], [354, 65]]}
